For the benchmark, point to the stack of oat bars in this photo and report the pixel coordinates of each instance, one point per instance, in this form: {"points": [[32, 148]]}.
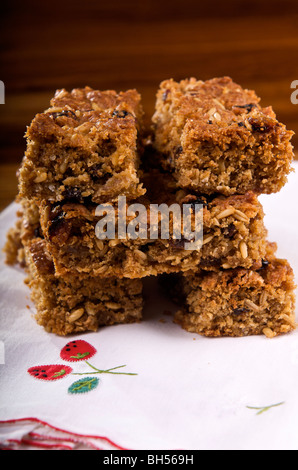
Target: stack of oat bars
{"points": [[212, 144], [82, 151], [216, 139]]}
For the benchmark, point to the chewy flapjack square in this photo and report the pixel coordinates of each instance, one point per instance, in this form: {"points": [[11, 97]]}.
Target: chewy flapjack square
{"points": [[239, 302], [233, 235], [86, 145], [74, 304], [216, 138]]}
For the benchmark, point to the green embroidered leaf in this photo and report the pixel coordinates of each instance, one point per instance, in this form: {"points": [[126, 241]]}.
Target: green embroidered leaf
{"points": [[84, 385], [58, 374], [80, 356]]}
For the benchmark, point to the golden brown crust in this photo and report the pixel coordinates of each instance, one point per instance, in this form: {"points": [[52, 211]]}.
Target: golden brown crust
{"points": [[216, 137], [86, 145], [83, 117]]}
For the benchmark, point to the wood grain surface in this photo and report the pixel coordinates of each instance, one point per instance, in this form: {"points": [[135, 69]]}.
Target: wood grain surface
{"points": [[136, 44]]}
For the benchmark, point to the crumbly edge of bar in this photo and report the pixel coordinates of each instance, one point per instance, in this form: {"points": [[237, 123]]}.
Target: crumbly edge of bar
{"points": [[234, 235], [233, 170], [220, 140], [13, 248], [240, 302], [57, 173]]}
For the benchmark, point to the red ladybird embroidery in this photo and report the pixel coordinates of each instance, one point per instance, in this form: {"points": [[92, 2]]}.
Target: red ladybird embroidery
{"points": [[49, 372], [78, 350]]}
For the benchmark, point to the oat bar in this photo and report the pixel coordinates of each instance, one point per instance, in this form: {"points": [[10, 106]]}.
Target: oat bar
{"points": [[69, 304], [216, 138], [233, 235], [239, 302], [75, 304], [86, 145]]}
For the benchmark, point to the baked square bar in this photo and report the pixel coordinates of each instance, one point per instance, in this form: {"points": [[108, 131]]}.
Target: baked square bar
{"points": [[86, 145], [71, 304], [75, 304], [216, 138], [233, 235], [239, 302]]}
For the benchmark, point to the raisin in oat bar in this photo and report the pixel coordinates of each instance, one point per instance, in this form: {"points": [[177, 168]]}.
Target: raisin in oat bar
{"points": [[216, 138], [239, 302], [233, 235], [86, 145], [75, 304]]}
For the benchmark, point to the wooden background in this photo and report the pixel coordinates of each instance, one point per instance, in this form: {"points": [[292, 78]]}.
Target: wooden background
{"points": [[136, 44]]}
